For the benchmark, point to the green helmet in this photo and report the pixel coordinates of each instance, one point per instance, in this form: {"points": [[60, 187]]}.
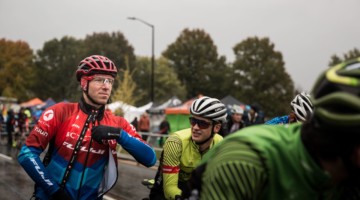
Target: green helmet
{"points": [[336, 95]]}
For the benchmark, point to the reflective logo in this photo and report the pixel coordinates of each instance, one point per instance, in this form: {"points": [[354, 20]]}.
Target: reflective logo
{"points": [[41, 132], [44, 123], [84, 149], [75, 125], [48, 115], [112, 142], [41, 173], [75, 136]]}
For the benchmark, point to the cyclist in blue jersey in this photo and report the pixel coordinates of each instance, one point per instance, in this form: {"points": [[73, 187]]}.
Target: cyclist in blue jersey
{"points": [[81, 161], [301, 106]]}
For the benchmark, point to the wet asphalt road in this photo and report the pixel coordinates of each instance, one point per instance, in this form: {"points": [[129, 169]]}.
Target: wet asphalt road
{"points": [[15, 184]]}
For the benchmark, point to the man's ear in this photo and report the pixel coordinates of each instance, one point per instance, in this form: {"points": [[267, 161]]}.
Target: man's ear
{"points": [[217, 127], [84, 84]]}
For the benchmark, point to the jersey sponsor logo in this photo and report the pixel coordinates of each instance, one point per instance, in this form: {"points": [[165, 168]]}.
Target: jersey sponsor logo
{"points": [[48, 115], [75, 136], [133, 127], [170, 169], [109, 142], [43, 123], [84, 149], [41, 173], [41, 132], [76, 126]]}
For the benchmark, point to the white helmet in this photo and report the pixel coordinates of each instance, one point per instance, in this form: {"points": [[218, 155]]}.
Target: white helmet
{"points": [[236, 109], [301, 105], [209, 108]]}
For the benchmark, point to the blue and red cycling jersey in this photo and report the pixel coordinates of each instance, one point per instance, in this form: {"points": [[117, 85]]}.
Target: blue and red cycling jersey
{"points": [[94, 171]]}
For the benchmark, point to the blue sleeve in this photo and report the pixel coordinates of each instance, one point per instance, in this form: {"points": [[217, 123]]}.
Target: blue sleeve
{"points": [[29, 159], [142, 152], [279, 120]]}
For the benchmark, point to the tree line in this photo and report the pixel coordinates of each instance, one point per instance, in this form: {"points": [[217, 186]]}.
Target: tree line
{"points": [[188, 67]]}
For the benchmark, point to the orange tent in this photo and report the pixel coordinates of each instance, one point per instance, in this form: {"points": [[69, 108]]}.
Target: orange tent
{"points": [[178, 117], [32, 102], [183, 109]]}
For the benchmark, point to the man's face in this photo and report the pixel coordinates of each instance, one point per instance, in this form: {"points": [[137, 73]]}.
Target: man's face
{"points": [[292, 117], [236, 117], [100, 89], [201, 128]]}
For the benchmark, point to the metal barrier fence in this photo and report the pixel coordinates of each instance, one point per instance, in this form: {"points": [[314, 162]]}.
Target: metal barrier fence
{"points": [[153, 139], [3, 131]]}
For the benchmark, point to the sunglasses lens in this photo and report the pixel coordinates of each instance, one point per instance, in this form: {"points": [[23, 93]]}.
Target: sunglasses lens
{"points": [[192, 121], [202, 124]]}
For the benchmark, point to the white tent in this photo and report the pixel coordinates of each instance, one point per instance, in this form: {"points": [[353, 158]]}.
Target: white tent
{"points": [[172, 102], [157, 113], [130, 112]]}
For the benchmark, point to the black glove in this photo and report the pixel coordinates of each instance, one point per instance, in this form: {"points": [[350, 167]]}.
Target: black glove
{"points": [[60, 195], [101, 132]]}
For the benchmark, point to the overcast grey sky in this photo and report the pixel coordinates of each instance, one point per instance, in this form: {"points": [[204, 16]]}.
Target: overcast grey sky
{"points": [[306, 32]]}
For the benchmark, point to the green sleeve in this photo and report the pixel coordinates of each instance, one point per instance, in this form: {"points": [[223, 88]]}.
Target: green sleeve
{"points": [[171, 167], [234, 172]]}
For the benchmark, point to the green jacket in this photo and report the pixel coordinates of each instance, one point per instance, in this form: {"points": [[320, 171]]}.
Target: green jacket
{"points": [[266, 162]]}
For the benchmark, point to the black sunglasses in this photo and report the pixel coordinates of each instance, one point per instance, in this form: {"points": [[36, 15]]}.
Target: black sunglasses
{"points": [[201, 123]]}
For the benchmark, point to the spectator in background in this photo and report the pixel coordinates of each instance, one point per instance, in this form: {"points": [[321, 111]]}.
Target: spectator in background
{"points": [[21, 120], [28, 120], [135, 123], [144, 125], [164, 129], [1, 121], [235, 122], [254, 115], [10, 122], [38, 112]]}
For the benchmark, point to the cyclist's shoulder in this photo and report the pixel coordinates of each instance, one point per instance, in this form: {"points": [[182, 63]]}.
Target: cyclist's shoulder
{"points": [[217, 138], [266, 134], [279, 120], [183, 134], [177, 138], [63, 106]]}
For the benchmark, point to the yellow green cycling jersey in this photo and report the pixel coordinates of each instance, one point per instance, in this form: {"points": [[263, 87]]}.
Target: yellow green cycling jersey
{"points": [[181, 156]]}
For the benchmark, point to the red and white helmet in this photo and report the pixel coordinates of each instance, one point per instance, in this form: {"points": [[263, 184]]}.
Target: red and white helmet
{"points": [[96, 64]]}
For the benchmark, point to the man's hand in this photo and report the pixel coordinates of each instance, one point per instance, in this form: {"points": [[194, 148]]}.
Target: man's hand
{"points": [[101, 132]]}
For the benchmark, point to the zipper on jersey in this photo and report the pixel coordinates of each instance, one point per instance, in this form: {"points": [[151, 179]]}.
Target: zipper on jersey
{"points": [[93, 115]]}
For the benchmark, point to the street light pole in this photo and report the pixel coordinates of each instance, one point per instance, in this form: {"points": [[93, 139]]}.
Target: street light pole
{"points": [[152, 54]]}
